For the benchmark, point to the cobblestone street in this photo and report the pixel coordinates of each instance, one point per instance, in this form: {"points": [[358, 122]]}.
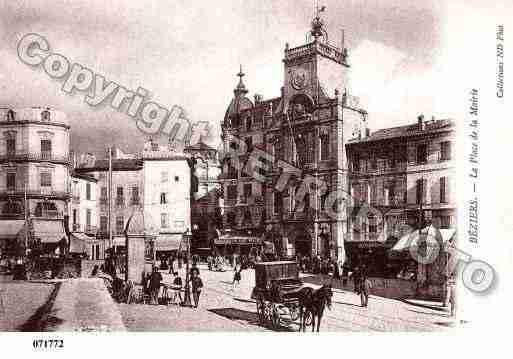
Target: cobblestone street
{"points": [[223, 307]]}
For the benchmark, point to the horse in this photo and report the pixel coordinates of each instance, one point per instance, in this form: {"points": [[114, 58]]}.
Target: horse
{"points": [[313, 302]]}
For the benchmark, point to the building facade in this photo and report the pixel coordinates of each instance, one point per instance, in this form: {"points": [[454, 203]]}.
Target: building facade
{"points": [[167, 196], [84, 207], [206, 204], [125, 197], [401, 178], [303, 133], [35, 175]]}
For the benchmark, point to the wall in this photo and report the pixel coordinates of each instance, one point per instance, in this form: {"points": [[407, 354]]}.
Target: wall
{"points": [[177, 188]]}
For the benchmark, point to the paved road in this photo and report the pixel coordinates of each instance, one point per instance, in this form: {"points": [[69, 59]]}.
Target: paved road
{"points": [[228, 308]]}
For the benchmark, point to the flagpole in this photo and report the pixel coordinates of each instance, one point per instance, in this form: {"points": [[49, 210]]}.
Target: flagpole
{"points": [[26, 217], [109, 186]]}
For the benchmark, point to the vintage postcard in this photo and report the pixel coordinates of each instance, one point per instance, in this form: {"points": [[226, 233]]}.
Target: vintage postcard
{"points": [[258, 166]]}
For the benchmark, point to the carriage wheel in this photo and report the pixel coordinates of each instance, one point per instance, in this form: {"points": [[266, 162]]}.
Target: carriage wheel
{"points": [[260, 310], [268, 310], [294, 312], [275, 317], [308, 318]]}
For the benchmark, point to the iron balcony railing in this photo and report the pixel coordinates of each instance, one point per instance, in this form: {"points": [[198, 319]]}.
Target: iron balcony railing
{"points": [[38, 193], [42, 156], [47, 214]]}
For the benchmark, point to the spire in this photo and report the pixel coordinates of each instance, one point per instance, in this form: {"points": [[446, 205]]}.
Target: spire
{"points": [[241, 88], [318, 30]]}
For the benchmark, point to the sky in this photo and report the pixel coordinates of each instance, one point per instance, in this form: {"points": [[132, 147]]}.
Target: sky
{"points": [[187, 53]]}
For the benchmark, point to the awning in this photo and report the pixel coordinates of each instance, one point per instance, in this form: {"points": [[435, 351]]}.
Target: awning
{"points": [[9, 229], [168, 242], [48, 231], [365, 244], [78, 241], [432, 235], [238, 240]]}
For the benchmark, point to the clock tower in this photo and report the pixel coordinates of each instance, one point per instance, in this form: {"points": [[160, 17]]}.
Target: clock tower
{"points": [[317, 68]]}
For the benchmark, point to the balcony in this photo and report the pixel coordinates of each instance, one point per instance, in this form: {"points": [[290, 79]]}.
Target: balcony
{"points": [[36, 157], [75, 227], [47, 214], [43, 193]]}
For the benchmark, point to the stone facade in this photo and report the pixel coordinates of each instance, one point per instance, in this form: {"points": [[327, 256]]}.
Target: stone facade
{"points": [[35, 163], [302, 136], [84, 207], [401, 179]]}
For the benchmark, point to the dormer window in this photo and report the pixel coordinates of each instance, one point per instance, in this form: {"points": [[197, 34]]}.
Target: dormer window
{"points": [[11, 115]]}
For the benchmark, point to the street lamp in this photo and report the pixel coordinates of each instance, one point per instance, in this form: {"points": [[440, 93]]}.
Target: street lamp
{"points": [[187, 298]]}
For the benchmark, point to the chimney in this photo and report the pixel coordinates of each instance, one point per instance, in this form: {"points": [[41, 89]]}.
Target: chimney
{"points": [[283, 91], [420, 122], [258, 98], [367, 132]]}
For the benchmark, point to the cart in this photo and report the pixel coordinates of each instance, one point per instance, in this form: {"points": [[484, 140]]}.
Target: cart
{"points": [[277, 285]]}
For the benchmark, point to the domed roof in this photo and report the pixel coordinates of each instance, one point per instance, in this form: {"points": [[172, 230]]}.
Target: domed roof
{"points": [[237, 105], [239, 102]]}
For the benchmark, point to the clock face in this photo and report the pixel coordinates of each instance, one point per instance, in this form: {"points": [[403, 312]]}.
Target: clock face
{"points": [[299, 79]]}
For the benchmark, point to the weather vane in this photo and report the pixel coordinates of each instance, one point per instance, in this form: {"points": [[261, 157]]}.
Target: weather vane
{"points": [[318, 30]]}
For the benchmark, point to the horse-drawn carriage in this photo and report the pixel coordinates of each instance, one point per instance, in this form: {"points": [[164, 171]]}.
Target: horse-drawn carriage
{"points": [[276, 292], [282, 298]]}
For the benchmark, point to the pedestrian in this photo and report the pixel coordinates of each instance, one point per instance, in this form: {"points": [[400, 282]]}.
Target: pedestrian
{"points": [[365, 286], [154, 287], [197, 285], [177, 288], [209, 262], [194, 266], [236, 276], [336, 271], [345, 274]]}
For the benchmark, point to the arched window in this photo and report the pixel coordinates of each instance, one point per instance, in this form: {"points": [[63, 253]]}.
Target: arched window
{"points": [[45, 115], [11, 115]]}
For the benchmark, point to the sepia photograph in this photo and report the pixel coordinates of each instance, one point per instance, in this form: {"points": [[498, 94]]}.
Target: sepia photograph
{"points": [[244, 166]]}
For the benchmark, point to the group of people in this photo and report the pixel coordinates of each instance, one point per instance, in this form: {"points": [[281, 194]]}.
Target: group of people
{"points": [[153, 282], [317, 265]]}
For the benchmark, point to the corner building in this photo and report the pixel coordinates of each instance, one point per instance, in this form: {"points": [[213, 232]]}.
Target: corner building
{"points": [[305, 131]]}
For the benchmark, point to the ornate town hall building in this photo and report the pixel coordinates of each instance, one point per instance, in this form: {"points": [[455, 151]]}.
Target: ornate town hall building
{"points": [[304, 131]]}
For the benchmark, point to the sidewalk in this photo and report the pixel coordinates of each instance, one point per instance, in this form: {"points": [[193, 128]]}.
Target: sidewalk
{"points": [[85, 305]]}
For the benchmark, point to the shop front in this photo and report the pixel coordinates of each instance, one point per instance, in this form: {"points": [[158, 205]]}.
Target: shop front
{"points": [[49, 236], [370, 254], [229, 244]]}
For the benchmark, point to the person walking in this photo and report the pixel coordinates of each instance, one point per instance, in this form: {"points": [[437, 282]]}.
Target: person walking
{"points": [[365, 287], [236, 276], [177, 288], [197, 285], [155, 280]]}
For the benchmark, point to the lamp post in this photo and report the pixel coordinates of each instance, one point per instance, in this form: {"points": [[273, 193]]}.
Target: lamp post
{"points": [[187, 298]]}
